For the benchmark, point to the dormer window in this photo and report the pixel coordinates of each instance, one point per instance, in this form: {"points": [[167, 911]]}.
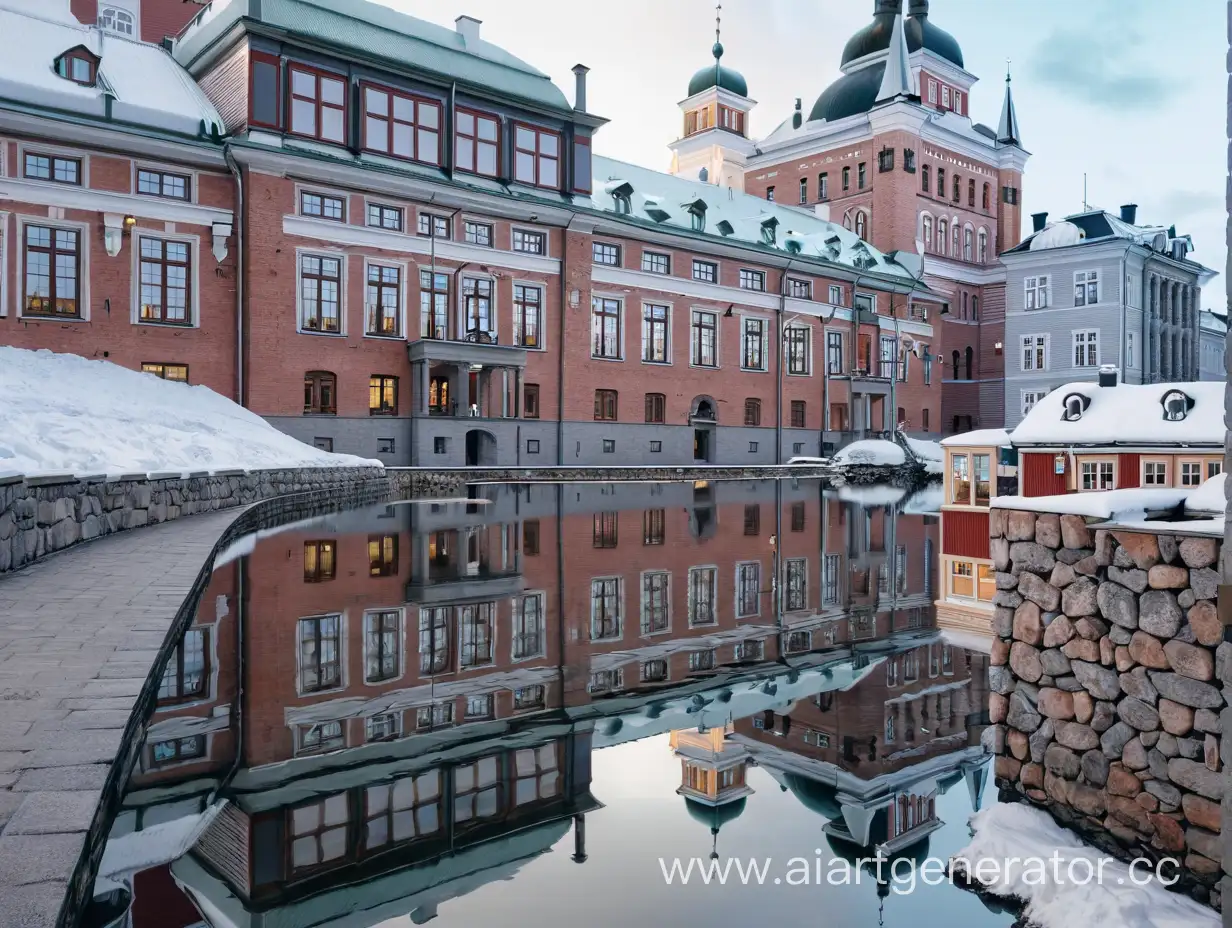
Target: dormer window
{"points": [[621, 193], [117, 20], [78, 65], [1176, 404], [769, 230], [697, 214], [623, 205], [1074, 406], [725, 227], [655, 211]]}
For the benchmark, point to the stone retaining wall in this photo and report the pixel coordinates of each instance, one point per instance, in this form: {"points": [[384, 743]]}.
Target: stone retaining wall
{"points": [[42, 515], [1108, 678]]}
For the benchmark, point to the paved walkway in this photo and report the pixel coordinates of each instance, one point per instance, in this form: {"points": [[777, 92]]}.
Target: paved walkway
{"points": [[78, 634]]}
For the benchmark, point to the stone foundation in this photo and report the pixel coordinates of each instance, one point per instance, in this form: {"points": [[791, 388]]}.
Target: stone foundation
{"points": [[1107, 678], [42, 515]]}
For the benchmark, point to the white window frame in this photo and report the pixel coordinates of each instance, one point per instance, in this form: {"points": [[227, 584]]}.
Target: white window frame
{"points": [[1031, 343], [765, 343], [1033, 396], [1081, 342], [344, 674], [643, 602], [341, 257], [83, 243], [4, 256], [945, 95], [1160, 464], [932, 92], [404, 270], [620, 327], [1035, 292], [401, 635], [667, 347], [835, 295], [1083, 281], [1097, 470], [981, 255], [194, 284], [1180, 472], [714, 595], [118, 6]]}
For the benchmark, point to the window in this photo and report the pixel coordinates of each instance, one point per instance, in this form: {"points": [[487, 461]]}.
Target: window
{"points": [[606, 253], [383, 304], [433, 305], [531, 243], [823, 186], [320, 393], [528, 626], [53, 272], [1086, 288], [861, 174], [1191, 473], [799, 345], [322, 206], [179, 750], [1036, 292], [187, 673], [704, 339], [164, 184], [318, 105], [1034, 353], [656, 446], [885, 160], [385, 217], [656, 404], [431, 226], [605, 608], [975, 308], [967, 236], [654, 671], [1030, 398], [477, 300], [439, 715], [606, 339], [476, 140], [834, 352], [654, 526], [770, 194], [477, 233], [532, 446], [527, 316], [703, 584], [748, 589], [796, 581], [655, 327], [382, 633], [1129, 350], [797, 414], [1098, 475], [536, 157], [320, 661], [926, 225], [800, 289], [313, 739], [165, 269], [941, 185], [752, 280], [982, 254], [1086, 348], [403, 809], [924, 172], [609, 446], [753, 447], [1154, 473], [706, 271], [176, 372], [382, 395], [860, 230], [479, 707], [752, 519], [655, 263], [53, 168], [980, 473], [434, 639], [604, 530], [753, 345], [117, 21], [529, 697], [403, 126], [752, 411], [475, 633], [701, 661], [960, 479], [830, 578], [886, 359], [656, 612], [803, 190], [1213, 469], [605, 405], [530, 400], [440, 445]]}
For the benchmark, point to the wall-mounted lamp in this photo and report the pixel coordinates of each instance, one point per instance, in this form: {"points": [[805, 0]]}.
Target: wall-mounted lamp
{"points": [[114, 227], [998, 347], [129, 222]]}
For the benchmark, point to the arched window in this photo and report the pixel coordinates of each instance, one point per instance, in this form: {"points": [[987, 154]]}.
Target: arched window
{"points": [[118, 21], [955, 374], [987, 188], [982, 253], [956, 248], [847, 221], [971, 193], [623, 204], [970, 358], [320, 393], [927, 231], [860, 223], [942, 241], [967, 244]]}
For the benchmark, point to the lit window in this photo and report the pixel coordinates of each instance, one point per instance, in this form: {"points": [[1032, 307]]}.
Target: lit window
{"points": [[165, 274], [606, 339], [320, 285], [175, 372], [382, 395], [383, 302], [527, 316], [52, 272]]}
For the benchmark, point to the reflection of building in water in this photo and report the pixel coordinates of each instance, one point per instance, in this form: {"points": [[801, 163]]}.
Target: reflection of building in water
{"points": [[712, 777]]}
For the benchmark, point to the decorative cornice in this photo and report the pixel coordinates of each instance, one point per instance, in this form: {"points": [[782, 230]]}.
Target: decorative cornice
{"points": [[105, 201]]}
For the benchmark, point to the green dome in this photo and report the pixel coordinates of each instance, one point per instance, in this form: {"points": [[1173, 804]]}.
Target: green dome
{"points": [[715, 75], [713, 817]]}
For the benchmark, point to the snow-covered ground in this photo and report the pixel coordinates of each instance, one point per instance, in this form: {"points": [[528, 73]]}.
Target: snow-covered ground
{"points": [[873, 451], [1013, 831], [64, 414], [928, 452]]}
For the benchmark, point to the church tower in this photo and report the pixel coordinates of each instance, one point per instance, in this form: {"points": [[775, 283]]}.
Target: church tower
{"points": [[714, 144]]}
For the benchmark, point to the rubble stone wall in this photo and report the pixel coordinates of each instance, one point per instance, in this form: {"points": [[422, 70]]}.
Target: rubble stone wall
{"points": [[1109, 675]]}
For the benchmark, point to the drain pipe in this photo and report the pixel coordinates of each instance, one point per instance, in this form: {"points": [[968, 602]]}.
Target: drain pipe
{"points": [[239, 709], [239, 273], [560, 345], [778, 364]]}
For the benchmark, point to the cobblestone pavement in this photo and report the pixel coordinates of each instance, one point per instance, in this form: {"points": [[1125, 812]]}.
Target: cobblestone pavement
{"points": [[78, 634]]}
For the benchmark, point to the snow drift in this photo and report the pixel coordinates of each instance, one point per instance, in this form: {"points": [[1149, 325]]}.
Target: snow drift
{"points": [[62, 413], [874, 451]]}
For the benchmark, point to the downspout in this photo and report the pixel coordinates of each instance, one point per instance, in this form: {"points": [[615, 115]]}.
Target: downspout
{"points": [[782, 345], [1124, 322], [240, 706], [560, 345], [240, 350], [1147, 354]]}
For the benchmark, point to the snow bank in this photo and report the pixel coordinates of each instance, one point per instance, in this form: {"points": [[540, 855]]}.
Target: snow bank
{"points": [[62, 413], [1209, 497], [1013, 830], [1122, 505], [981, 438], [925, 450], [871, 451]]}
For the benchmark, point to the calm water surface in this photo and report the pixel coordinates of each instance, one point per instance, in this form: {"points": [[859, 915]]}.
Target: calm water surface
{"points": [[512, 709]]}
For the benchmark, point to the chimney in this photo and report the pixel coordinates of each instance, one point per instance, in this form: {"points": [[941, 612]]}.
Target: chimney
{"points": [[468, 28], [1129, 213], [579, 87], [1038, 221], [797, 117], [1108, 375]]}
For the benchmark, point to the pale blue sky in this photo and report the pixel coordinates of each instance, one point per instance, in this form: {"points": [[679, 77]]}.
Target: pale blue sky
{"points": [[1133, 92]]}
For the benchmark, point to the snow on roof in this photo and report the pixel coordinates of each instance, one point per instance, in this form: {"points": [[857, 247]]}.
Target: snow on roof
{"points": [[147, 86], [1214, 322], [665, 199], [1107, 504], [377, 30], [1057, 235], [980, 438], [871, 451], [1210, 497], [1124, 415], [923, 449]]}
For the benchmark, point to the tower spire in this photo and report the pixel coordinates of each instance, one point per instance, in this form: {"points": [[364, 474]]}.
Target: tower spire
{"points": [[896, 82], [1007, 128]]}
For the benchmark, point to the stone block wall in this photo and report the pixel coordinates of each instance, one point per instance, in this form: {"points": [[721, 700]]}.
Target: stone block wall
{"points": [[1109, 675], [42, 515]]}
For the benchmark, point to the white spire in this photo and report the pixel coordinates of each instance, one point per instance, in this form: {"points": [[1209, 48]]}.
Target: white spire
{"points": [[1007, 128], [897, 80]]}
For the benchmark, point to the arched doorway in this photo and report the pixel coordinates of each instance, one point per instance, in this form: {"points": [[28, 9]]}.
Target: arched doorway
{"points": [[480, 448], [704, 417]]}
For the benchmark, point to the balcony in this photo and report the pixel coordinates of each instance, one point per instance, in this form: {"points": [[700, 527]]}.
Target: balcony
{"points": [[474, 564], [476, 346]]}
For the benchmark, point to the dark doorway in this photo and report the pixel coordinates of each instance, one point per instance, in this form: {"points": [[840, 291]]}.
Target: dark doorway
{"points": [[480, 448], [701, 445]]}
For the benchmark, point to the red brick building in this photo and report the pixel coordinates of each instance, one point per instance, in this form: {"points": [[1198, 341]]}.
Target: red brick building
{"points": [[402, 245]]}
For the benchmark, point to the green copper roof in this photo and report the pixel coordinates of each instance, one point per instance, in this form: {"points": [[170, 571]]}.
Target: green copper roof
{"points": [[715, 75]]}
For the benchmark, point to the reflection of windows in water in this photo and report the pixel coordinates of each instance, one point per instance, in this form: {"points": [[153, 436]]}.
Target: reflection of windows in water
{"points": [[436, 716], [911, 666], [477, 791], [654, 671], [934, 661], [655, 614], [179, 749], [859, 661], [799, 641], [404, 809], [797, 593], [434, 639], [476, 634], [605, 680], [748, 589], [702, 582], [701, 660], [321, 737], [528, 697], [751, 651], [382, 727], [947, 659], [537, 772], [825, 701], [319, 831], [831, 634], [479, 707]]}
